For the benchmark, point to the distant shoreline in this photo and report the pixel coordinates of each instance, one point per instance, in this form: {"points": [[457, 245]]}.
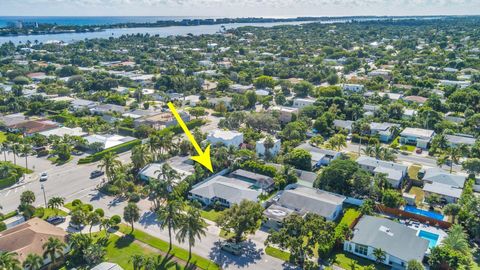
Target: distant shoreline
{"points": [[29, 27]]}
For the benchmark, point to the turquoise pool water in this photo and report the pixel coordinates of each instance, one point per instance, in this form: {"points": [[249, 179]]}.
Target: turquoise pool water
{"points": [[431, 237], [413, 209]]}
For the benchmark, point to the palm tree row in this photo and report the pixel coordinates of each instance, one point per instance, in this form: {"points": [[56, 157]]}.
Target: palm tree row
{"points": [[379, 152]]}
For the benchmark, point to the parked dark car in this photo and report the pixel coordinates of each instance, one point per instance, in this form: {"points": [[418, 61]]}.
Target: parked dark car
{"points": [[56, 220], [96, 174]]}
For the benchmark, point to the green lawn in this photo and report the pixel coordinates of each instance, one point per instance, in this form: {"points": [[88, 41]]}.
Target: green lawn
{"points": [[48, 212], [353, 155], [419, 194], [58, 162], [3, 136], [277, 253], [121, 249], [344, 260], [413, 171], [226, 235], [178, 252], [349, 216], [210, 214]]}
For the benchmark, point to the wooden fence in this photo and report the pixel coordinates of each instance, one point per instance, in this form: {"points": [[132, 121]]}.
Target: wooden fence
{"points": [[404, 214]]}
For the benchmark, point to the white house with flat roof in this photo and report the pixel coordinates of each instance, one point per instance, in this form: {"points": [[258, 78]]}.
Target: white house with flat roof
{"points": [[417, 136], [350, 87], [285, 114], [303, 102], [260, 148], [225, 137]]}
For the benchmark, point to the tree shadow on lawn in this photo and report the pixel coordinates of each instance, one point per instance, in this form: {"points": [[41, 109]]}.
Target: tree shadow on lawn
{"points": [[249, 256], [124, 241]]}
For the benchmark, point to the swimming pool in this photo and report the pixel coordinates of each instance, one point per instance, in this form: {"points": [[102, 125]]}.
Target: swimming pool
{"points": [[431, 237], [413, 209]]}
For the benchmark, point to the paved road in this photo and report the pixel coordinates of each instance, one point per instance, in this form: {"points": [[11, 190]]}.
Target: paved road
{"points": [[412, 158], [69, 181], [208, 246]]}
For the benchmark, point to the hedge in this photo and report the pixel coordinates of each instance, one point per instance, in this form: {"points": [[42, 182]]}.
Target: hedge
{"points": [[129, 145], [116, 150], [9, 181], [125, 131]]}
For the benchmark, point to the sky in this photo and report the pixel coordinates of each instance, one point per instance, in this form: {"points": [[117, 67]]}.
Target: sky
{"points": [[237, 8]]}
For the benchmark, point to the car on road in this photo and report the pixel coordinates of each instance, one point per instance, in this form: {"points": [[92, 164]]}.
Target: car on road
{"points": [[232, 248], [96, 174], [419, 150], [43, 176], [55, 220]]}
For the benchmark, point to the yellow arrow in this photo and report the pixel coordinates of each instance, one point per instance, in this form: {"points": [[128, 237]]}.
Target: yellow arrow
{"points": [[203, 156]]}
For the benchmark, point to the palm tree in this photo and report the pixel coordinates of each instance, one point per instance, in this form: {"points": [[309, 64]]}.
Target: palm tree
{"points": [[451, 155], [452, 209], [167, 175], [55, 203], [109, 162], [9, 261], [26, 149], [337, 142], [379, 254], [131, 214], [92, 219], [268, 144], [169, 216], [33, 262], [15, 149], [5, 170], [457, 239], [191, 226], [138, 261], [140, 156], [5, 148], [53, 249]]}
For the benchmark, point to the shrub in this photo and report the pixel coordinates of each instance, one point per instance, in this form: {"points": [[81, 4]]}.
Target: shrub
{"points": [[115, 220], [100, 212], [39, 212], [3, 226], [76, 202], [110, 189], [134, 197], [88, 207], [116, 149]]}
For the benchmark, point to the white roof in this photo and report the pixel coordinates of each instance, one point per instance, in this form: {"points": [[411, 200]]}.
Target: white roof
{"points": [[61, 131], [417, 132], [108, 141], [224, 134]]}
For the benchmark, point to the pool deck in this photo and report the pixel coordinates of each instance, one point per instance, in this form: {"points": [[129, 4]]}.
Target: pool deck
{"points": [[419, 226]]}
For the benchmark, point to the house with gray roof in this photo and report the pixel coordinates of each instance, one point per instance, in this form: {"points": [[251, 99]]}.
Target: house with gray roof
{"points": [[394, 172], [302, 200], [102, 109], [227, 190], [372, 233], [446, 185], [184, 166], [458, 139], [343, 124], [320, 156], [383, 130]]}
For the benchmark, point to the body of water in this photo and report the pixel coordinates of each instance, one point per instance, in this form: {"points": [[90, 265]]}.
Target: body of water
{"points": [[89, 20], [117, 32]]}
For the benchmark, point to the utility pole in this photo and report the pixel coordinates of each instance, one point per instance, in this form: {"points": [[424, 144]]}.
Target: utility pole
{"points": [[44, 196]]}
